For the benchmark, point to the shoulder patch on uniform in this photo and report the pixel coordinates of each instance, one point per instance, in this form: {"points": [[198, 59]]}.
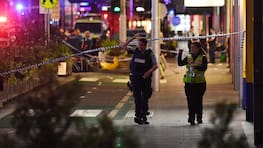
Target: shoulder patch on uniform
{"points": [[149, 50]]}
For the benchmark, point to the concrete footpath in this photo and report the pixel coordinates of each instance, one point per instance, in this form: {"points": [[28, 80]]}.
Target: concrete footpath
{"points": [[168, 120]]}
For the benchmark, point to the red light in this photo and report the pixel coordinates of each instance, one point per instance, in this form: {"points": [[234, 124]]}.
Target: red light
{"points": [[3, 19], [105, 16]]}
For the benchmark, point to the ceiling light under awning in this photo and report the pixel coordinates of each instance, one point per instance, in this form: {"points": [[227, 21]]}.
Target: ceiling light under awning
{"points": [[204, 3], [140, 9]]}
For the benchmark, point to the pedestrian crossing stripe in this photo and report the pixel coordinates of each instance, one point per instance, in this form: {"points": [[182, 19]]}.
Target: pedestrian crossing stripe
{"points": [[88, 79], [48, 4], [86, 113], [131, 114], [124, 80]]}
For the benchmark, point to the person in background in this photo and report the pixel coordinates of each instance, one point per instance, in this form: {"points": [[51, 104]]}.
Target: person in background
{"points": [[203, 41], [190, 34], [86, 41], [195, 82], [75, 39], [212, 46], [143, 64]]}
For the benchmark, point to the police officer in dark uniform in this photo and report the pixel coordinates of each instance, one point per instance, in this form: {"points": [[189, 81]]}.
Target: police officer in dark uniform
{"points": [[195, 82], [143, 63]]}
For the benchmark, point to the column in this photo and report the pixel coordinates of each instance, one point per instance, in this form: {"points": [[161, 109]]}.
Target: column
{"points": [[156, 43], [258, 72]]}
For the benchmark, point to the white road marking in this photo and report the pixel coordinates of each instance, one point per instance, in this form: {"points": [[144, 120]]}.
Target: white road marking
{"points": [[89, 79], [120, 80], [163, 81], [86, 113], [131, 114], [110, 77]]}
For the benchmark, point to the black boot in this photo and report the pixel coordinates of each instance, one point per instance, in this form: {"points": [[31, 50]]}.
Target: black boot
{"points": [[138, 120], [148, 113], [144, 120], [191, 121], [199, 119]]}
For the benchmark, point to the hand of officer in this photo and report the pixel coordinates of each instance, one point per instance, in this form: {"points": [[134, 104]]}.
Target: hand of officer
{"points": [[147, 74], [122, 45], [125, 44]]}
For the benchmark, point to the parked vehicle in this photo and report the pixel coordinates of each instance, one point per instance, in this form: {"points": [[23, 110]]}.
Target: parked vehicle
{"points": [[93, 23]]}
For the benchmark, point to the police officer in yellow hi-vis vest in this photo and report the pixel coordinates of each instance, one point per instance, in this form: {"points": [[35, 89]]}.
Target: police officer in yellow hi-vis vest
{"points": [[195, 82]]}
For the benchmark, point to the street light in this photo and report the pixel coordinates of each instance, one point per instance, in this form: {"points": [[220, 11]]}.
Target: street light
{"points": [[140, 9], [115, 6], [116, 9], [3, 19], [19, 7]]}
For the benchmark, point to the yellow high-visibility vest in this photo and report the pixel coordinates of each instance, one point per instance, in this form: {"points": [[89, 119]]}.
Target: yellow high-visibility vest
{"points": [[194, 75]]}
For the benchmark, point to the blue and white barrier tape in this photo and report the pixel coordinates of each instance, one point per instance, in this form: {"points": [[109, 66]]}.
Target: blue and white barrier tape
{"points": [[105, 48]]}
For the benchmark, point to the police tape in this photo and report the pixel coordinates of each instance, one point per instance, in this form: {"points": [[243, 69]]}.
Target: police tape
{"points": [[184, 38], [59, 59], [170, 51]]}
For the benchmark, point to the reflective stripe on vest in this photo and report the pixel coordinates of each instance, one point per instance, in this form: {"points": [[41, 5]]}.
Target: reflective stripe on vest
{"points": [[194, 76]]}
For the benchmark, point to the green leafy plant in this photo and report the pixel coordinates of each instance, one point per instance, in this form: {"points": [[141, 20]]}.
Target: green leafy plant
{"points": [[111, 51], [18, 56], [220, 135], [42, 120]]}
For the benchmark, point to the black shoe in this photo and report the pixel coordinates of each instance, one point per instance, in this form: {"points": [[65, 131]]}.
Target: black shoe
{"points": [[144, 120], [148, 113], [190, 120], [138, 120], [192, 123], [199, 121]]}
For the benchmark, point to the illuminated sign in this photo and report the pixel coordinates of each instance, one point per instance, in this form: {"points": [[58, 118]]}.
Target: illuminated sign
{"points": [[48, 3], [204, 3], [176, 20]]}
